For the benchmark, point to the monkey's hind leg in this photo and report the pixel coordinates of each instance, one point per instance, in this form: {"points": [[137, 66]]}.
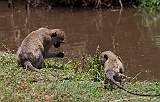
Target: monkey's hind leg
{"points": [[30, 67], [120, 78], [109, 76], [105, 82]]}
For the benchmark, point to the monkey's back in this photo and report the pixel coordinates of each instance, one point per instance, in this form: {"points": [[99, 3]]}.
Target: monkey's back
{"points": [[31, 47], [113, 63]]}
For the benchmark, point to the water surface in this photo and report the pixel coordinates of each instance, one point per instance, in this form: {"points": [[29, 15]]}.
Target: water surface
{"points": [[132, 35]]}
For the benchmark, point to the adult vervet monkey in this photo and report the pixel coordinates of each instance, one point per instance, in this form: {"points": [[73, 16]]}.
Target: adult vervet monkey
{"points": [[35, 47]]}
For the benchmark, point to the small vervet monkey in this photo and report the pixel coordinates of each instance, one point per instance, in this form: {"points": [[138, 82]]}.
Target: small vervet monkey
{"points": [[112, 67], [35, 47], [114, 71]]}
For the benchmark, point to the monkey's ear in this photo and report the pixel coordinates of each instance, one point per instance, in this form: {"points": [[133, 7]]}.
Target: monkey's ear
{"points": [[106, 57], [54, 34]]}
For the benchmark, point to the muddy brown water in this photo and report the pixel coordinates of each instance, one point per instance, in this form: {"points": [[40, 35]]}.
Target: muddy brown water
{"points": [[133, 35]]}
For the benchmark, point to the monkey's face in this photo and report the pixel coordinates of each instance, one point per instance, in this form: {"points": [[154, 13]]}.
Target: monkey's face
{"points": [[58, 37], [104, 56], [56, 45], [101, 59]]}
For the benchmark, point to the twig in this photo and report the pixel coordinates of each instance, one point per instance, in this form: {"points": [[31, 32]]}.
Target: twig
{"points": [[8, 50], [136, 76]]}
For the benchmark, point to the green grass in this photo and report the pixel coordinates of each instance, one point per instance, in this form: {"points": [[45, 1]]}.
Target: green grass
{"points": [[20, 85]]}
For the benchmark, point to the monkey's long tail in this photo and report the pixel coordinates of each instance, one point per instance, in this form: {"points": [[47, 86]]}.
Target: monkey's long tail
{"points": [[121, 87], [32, 68]]}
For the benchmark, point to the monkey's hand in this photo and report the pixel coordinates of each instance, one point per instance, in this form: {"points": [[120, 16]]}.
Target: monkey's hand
{"points": [[60, 54], [53, 54]]}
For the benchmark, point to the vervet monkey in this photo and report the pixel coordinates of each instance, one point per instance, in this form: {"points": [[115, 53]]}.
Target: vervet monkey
{"points": [[35, 47], [112, 67], [114, 72]]}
